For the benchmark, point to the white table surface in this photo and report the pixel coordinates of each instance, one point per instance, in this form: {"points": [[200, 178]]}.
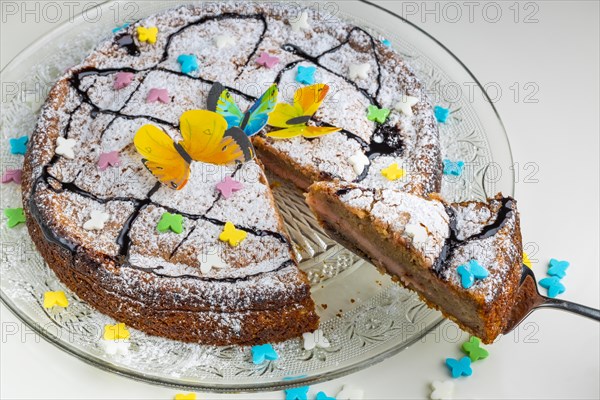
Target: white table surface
{"points": [[555, 356]]}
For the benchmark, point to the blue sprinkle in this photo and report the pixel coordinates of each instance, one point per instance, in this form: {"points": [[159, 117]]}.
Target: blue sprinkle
{"points": [[470, 271], [460, 367], [120, 28], [323, 396], [262, 353], [554, 286], [300, 393], [18, 145], [386, 42], [558, 268], [454, 168], [441, 113], [306, 75], [188, 62]]}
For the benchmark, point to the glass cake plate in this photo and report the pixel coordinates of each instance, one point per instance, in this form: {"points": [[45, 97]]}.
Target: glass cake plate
{"points": [[364, 315]]}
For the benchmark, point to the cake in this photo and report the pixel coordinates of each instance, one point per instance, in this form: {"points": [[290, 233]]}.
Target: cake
{"points": [[433, 248], [144, 186]]}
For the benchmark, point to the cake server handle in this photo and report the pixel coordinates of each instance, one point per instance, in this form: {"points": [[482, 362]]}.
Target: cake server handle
{"points": [[571, 307]]}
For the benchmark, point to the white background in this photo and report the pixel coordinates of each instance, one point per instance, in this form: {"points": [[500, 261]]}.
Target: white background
{"points": [[555, 356]]}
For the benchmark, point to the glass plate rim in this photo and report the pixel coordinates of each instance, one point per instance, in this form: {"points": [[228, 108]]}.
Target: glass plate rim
{"points": [[167, 382]]}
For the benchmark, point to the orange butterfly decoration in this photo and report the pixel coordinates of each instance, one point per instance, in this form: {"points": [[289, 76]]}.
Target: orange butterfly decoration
{"points": [[205, 138], [294, 118]]}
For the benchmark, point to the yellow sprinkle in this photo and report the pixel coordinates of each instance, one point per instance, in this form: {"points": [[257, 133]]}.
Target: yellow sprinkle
{"points": [[52, 299], [189, 396], [232, 235], [116, 332], [526, 260], [147, 34], [393, 172]]}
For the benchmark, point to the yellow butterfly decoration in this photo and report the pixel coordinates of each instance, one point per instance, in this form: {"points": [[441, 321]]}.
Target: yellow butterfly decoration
{"points": [[205, 138], [232, 235], [294, 118]]}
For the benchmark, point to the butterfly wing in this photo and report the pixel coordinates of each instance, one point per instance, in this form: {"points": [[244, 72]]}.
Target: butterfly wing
{"points": [[316, 131], [308, 99], [477, 270], [242, 140], [466, 277], [258, 114], [161, 157], [204, 138], [221, 101], [287, 133], [283, 113]]}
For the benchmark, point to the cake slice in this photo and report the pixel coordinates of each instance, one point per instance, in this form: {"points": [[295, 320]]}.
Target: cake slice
{"points": [[463, 259]]}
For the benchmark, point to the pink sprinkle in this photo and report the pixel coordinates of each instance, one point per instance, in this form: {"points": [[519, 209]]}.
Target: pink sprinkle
{"points": [[12, 175], [228, 186], [110, 159], [161, 95], [123, 79], [266, 60]]}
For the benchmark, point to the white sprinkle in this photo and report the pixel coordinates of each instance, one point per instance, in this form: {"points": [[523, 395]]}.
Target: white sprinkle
{"points": [[301, 23], [359, 161], [360, 71], [64, 147], [442, 390], [315, 339], [222, 41], [405, 105], [96, 221]]}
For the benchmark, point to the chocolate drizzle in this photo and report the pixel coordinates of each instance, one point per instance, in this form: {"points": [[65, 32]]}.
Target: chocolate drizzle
{"points": [[453, 242], [127, 42]]}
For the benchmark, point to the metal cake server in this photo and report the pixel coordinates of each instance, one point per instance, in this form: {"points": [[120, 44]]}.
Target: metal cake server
{"points": [[529, 299]]}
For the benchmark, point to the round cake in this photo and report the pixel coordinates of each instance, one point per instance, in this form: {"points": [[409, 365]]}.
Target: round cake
{"points": [[206, 258]]}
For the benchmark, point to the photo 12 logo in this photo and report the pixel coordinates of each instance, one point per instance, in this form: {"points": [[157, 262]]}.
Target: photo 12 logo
{"points": [[57, 11], [470, 11]]}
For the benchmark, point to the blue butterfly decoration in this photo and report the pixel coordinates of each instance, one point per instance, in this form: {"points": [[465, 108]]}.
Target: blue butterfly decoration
{"points": [[470, 271], [441, 113], [253, 120], [262, 353], [323, 396], [554, 286], [454, 168], [188, 62], [558, 268], [306, 75], [18, 145], [300, 393], [460, 367]]}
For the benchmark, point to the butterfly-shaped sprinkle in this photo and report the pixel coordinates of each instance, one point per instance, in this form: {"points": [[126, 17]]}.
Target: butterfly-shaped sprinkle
{"points": [[393, 172], [222, 41], [18, 145], [315, 339], [65, 147], [474, 350], [147, 35], [301, 23], [110, 159], [460, 367], [116, 332], [188, 62], [306, 75], [359, 71], [299, 393], [323, 396], [558, 268], [405, 105], [228, 186], [96, 221], [350, 392], [526, 260], [253, 120], [114, 347], [205, 138], [454, 168], [441, 113], [470, 271], [359, 161], [158, 94], [293, 119], [554, 286], [210, 261], [232, 235], [12, 175], [266, 60], [442, 390], [262, 353], [122, 80], [378, 114], [188, 396], [15, 216], [120, 28], [172, 222], [385, 42], [58, 299]]}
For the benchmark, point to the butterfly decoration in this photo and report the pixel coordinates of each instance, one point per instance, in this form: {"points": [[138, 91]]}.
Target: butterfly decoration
{"points": [[262, 353], [454, 168], [232, 235], [442, 390], [558, 268], [294, 118], [205, 138], [474, 350], [315, 339], [460, 367], [299, 393], [57, 298], [470, 271], [251, 121], [554, 286]]}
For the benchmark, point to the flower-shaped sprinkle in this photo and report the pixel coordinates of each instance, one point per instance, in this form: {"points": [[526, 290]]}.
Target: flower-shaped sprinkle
{"points": [[18, 145], [15, 216], [12, 175], [460, 367], [378, 114], [116, 332], [262, 353], [55, 299], [474, 350], [147, 35], [172, 222], [393, 172], [232, 235]]}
